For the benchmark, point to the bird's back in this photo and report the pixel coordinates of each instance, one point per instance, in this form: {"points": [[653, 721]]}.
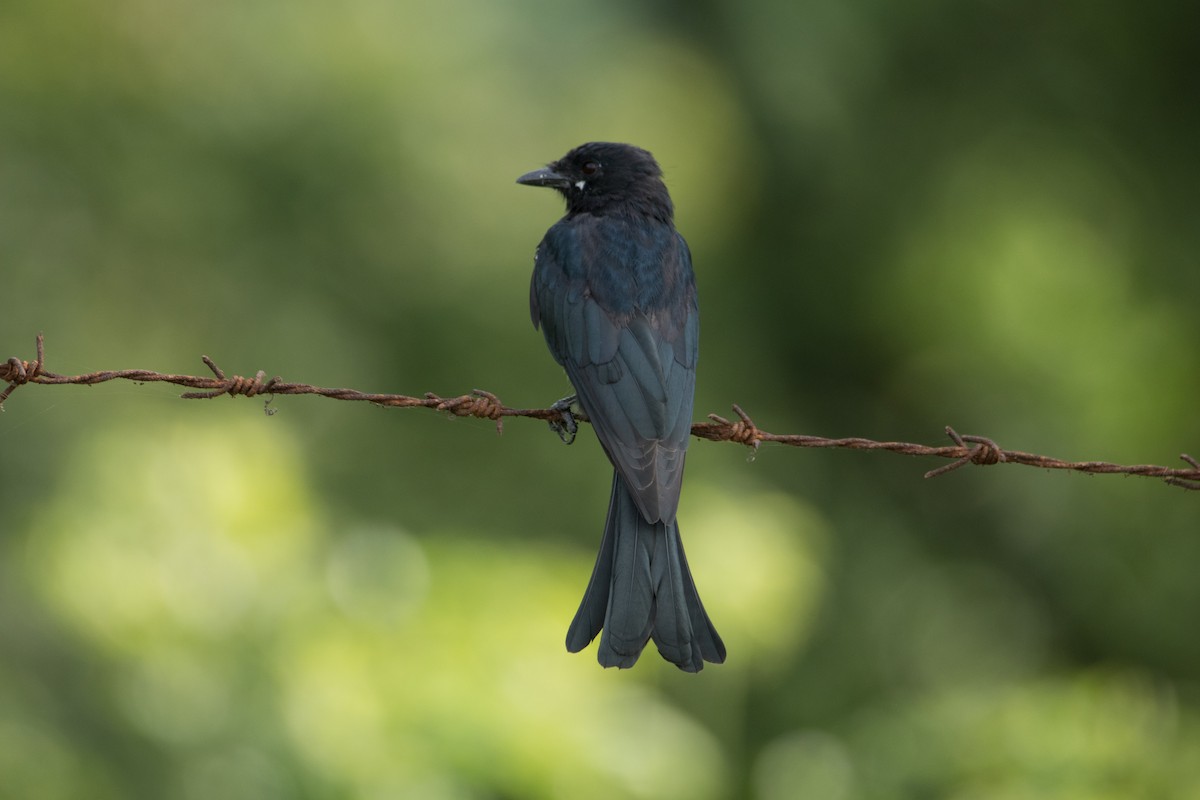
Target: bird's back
{"points": [[616, 299]]}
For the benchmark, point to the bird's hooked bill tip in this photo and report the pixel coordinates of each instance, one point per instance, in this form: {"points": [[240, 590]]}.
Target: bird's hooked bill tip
{"points": [[544, 177]]}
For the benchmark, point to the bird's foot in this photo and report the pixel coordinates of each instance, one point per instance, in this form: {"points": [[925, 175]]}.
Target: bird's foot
{"points": [[566, 427]]}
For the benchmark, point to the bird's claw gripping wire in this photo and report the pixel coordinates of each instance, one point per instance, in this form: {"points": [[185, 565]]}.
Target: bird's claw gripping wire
{"points": [[566, 427]]}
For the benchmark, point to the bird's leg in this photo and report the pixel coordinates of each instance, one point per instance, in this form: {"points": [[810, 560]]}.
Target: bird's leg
{"points": [[567, 427]]}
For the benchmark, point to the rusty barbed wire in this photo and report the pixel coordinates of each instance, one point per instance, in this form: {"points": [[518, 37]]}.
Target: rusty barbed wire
{"points": [[966, 449]]}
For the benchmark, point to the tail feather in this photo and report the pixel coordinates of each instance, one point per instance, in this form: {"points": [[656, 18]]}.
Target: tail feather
{"points": [[642, 588], [589, 619], [672, 621], [712, 649]]}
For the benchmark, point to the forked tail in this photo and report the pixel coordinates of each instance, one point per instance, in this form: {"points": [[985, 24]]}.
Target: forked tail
{"points": [[641, 589]]}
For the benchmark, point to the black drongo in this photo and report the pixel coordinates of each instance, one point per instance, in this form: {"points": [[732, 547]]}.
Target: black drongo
{"points": [[614, 294]]}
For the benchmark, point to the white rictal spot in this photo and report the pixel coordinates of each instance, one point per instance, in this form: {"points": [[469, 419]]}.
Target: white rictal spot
{"points": [[580, 184]]}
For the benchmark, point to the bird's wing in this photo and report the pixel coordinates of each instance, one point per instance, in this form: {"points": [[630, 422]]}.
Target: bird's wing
{"points": [[633, 369]]}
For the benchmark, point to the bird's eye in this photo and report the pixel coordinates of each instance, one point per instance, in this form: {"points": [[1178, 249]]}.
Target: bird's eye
{"points": [[590, 168]]}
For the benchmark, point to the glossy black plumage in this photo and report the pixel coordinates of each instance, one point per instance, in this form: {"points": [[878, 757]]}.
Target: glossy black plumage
{"points": [[615, 297]]}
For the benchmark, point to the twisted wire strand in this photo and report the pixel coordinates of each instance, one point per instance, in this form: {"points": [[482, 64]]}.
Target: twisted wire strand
{"points": [[966, 449]]}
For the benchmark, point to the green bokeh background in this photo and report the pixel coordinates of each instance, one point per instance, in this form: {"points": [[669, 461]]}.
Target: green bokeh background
{"points": [[902, 216]]}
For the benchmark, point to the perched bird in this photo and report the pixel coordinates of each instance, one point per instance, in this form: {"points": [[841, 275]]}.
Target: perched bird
{"points": [[614, 295]]}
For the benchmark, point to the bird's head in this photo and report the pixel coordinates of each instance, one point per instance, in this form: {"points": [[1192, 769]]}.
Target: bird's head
{"points": [[606, 177]]}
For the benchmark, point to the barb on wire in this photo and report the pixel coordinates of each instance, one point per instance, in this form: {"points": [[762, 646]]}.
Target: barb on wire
{"points": [[966, 449]]}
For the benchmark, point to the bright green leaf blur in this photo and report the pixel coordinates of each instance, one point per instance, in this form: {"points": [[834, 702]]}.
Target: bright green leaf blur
{"points": [[902, 216]]}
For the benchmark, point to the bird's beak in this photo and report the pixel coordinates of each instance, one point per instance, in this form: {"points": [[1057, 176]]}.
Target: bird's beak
{"points": [[545, 177]]}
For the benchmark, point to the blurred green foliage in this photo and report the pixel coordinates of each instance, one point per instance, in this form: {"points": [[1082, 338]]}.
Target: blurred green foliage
{"points": [[902, 216]]}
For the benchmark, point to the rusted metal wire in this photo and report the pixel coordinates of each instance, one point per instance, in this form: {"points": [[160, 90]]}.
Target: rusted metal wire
{"points": [[966, 450]]}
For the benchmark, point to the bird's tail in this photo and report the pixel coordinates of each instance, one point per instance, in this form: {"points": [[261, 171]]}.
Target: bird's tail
{"points": [[641, 588]]}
